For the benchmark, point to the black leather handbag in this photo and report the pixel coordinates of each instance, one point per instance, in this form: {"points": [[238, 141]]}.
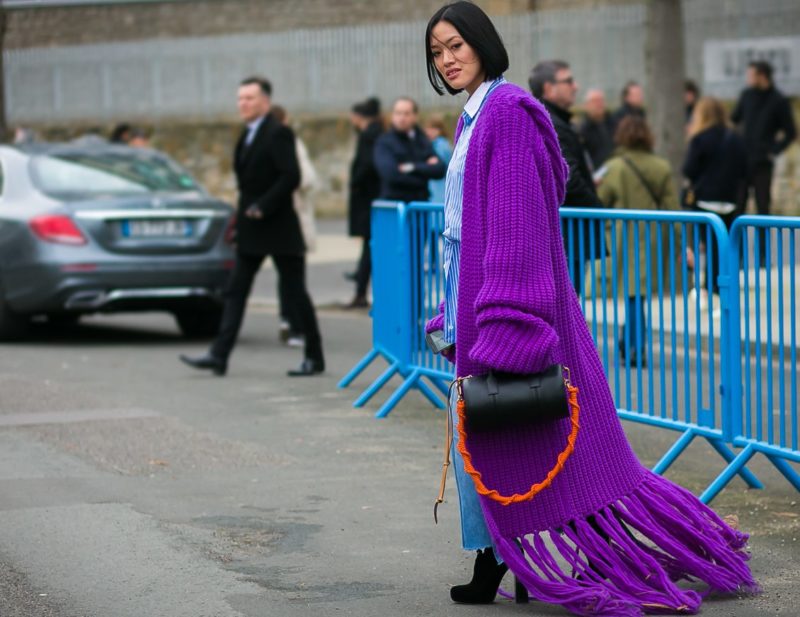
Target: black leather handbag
{"points": [[503, 400]]}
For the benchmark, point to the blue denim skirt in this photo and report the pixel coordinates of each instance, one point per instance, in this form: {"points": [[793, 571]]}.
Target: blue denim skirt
{"points": [[474, 533]]}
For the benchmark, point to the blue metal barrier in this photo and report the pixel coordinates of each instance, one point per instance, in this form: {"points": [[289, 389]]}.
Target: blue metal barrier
{"points": [[392, 320], [763, 351], [426, 223], [683, 285], [661, 330]]}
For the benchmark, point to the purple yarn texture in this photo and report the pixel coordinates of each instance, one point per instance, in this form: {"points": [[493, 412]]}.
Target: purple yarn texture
{"points": [[608, 537]]}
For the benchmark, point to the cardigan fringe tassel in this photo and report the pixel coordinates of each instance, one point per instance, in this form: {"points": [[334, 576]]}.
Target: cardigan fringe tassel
{"points": [[626, 559]]}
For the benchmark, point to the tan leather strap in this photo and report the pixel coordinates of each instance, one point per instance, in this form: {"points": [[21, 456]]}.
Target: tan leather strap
{"points": [[445, 462]]}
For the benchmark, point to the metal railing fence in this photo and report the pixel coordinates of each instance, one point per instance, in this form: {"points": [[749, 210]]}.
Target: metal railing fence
{"points": [[765, 278], [671, 299]]}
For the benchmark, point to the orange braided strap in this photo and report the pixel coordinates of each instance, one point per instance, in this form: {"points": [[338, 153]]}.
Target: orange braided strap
{"points": [[572, 399]]}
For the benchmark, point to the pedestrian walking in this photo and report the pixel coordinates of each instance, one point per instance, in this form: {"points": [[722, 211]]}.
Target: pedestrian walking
{"points": [[636, 179], [597, 128], [691, 94], [607, 536], [267, 174], [632, 104], [121, 133], [436, 131], [290, 331], [715, 168], [552, 82], [764, 116], [365, 186]]}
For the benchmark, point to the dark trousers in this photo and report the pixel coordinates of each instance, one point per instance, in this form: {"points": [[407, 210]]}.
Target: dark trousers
{"points": [[633, 332], [291, 274], [288, 313], [577, 272], [712, 253], [364, 270], [760, 179]]}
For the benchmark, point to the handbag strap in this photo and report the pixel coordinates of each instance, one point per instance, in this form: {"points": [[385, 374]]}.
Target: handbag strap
{"points": [[535, 489], [448, 442], [645, 184]]}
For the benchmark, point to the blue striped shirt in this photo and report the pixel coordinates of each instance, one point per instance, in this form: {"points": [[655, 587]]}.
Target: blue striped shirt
{"points": [[453, 202]]}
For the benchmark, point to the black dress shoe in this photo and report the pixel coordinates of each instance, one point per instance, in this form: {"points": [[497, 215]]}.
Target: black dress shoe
{"points": [[308, 368], [359, 302], [218, 366], [486, 578]]}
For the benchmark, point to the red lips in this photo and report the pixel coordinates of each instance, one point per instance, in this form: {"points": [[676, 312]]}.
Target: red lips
{"points": [[452, 73]]}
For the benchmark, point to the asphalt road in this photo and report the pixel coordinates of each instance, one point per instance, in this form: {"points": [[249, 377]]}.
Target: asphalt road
{"points": [[131, 486]]}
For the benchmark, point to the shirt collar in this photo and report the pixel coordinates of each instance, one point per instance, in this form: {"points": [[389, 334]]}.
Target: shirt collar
{"points": [[253, 126], [475, 102]]}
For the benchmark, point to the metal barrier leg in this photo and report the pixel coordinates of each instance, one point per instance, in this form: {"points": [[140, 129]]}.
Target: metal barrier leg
{"points": [[443, 386], [358, 368], [381, 381], [729, 456], [429, 394], [783, 466], [674, 452], [728, 474], [398, 394]]}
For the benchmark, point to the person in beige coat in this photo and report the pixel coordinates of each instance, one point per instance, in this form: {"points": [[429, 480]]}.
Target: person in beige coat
{"points": [[302, 200], [637, 179]]}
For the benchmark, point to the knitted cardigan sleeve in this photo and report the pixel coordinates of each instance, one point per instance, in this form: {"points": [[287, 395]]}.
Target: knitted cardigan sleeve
{"points": [[516, 305]]}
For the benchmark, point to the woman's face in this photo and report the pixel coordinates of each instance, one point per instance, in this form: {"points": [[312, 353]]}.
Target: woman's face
{"points": [[432, 132], [456, 61]]}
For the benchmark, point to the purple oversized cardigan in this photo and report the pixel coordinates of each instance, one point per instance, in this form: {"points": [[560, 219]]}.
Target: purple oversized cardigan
{"points": [[517, 312]]}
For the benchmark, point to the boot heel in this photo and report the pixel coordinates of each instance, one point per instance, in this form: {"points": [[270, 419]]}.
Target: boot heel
{"points": [[520, 592]]}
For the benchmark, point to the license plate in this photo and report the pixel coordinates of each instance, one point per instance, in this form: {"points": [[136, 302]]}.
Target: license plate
{"points": [[156, 228]]}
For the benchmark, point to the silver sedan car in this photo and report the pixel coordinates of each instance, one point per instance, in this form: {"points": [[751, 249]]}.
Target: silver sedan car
{"points": [[88, 228]]}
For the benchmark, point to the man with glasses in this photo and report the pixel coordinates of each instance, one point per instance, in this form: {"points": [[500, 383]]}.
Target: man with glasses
{"points": [[551, 82]]}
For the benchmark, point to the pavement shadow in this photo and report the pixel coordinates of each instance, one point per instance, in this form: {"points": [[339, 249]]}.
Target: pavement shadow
{"points": [[102, 333]]}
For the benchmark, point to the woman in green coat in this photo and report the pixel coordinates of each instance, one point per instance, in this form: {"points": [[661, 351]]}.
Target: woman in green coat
{"points": [[636, 179]]}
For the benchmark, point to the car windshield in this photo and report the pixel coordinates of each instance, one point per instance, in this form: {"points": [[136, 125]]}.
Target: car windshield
{"points": [[81, 175]]}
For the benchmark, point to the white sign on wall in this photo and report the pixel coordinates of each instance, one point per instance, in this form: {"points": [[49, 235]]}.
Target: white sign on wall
{"points": [[725, 63]]}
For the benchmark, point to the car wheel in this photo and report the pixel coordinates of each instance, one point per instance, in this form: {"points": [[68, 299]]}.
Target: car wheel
{"points": [[13, 326], [199, 324]]}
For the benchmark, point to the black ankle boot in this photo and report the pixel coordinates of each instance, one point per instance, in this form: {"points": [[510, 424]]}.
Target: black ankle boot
{"points": [[486, 578]]}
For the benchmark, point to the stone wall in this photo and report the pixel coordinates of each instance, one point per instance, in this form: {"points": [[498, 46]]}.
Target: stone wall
{"points": [[75, 25]]}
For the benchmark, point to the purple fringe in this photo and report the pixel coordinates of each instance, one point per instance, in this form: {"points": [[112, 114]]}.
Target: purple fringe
{"points": [[625, 560]]}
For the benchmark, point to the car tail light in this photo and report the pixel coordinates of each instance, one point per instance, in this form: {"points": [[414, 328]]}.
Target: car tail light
{"points": [[57, 228], [230, 230]]}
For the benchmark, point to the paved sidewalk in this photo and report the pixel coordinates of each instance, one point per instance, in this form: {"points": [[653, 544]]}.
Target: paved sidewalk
{"points": [[132, 486]]}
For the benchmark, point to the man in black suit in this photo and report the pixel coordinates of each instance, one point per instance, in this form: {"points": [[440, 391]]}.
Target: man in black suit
{"points": [[764, 116], [267, 173]]}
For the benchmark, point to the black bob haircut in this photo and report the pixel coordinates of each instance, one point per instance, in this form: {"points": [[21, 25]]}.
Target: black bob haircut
{"points": [[478, 32], [261, 82]]}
